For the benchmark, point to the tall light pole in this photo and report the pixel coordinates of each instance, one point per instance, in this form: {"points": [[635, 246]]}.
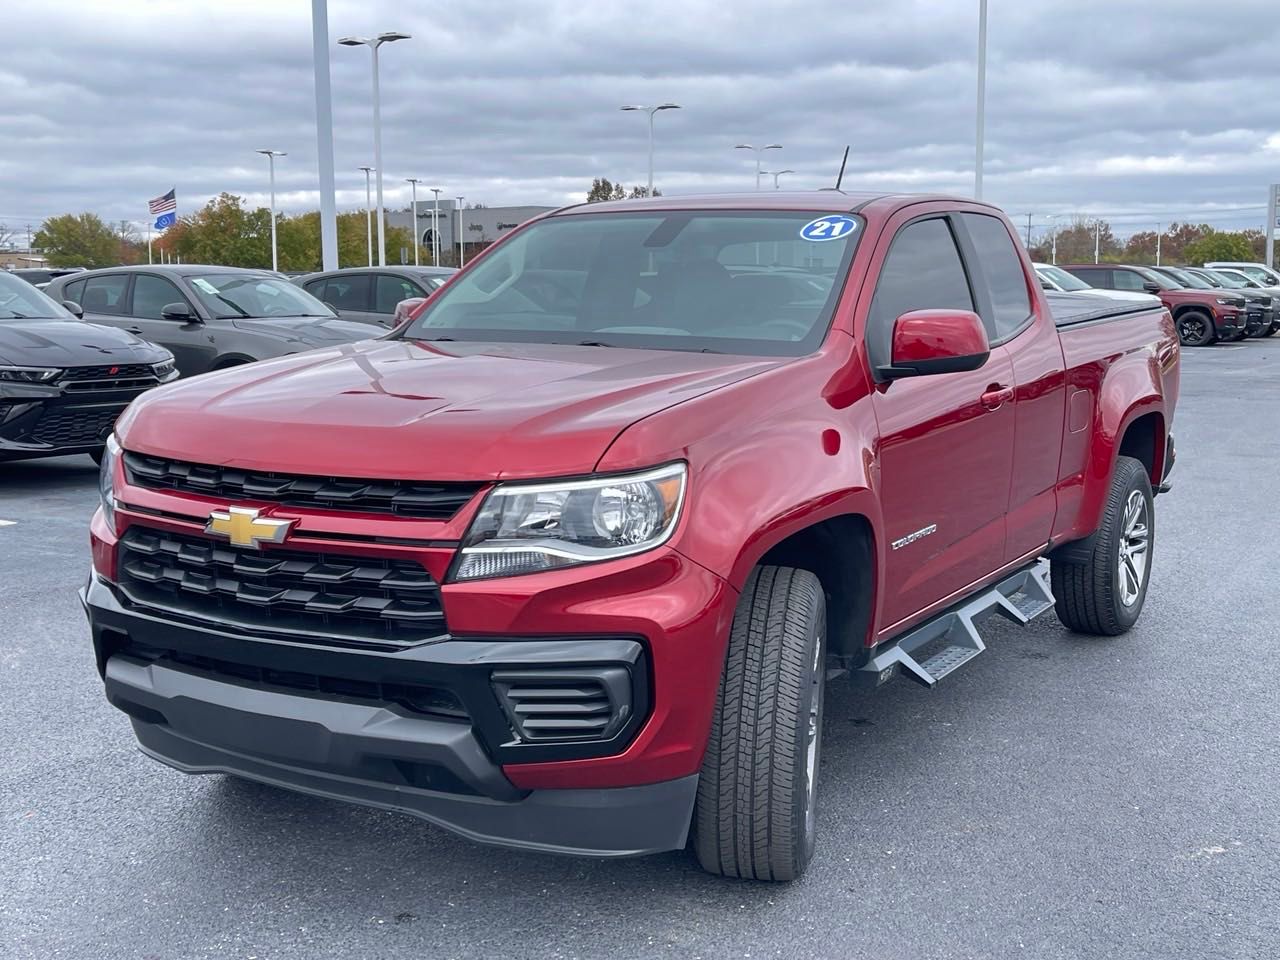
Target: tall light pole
{"points": [[757, 151], [368, 214], [980, 132], [775, 174], [1053, 225], [651, 111], [458, 216], [324, 134], [271, 166], [1159, 231], [1272, 191], [435, 231], [373, 43], [413, 183]]}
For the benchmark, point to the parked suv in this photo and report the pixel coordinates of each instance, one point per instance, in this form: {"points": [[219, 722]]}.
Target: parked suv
{"points": [[1258, 307], [1227, 279], [1254, 271], [1202, 317], [371, 294]]}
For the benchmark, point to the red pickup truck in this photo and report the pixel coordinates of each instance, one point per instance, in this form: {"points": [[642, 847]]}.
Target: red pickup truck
{"points": [[565, 561]]}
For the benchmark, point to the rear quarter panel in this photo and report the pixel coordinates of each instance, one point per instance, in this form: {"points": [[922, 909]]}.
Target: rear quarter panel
{"points": [[1116, 371]]}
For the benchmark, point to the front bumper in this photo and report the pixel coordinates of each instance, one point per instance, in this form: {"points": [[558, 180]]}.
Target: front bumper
{"points": [[43, 420], [1259, 320], [1229, 321], [190, 709]]}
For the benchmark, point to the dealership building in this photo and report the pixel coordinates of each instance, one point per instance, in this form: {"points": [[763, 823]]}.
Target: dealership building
{"points": [[479, 226]]}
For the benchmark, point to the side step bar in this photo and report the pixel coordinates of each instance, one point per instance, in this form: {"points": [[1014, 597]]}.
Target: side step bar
{"points": [[1021, 598]]}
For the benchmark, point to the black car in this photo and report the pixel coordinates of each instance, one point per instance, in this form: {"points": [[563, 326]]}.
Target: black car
{"points": [[63, 382], [1251, 290], [370, 294], [210, 317], [41, 276], [1258, 308]]}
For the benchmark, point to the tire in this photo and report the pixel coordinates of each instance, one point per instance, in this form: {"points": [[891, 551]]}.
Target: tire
{"points": [[1098, 595], [1270, 331], [1195, 328], [755, 812]]}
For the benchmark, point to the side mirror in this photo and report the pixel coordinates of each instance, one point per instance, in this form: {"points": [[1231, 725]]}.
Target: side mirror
{"points": [[937, 341], [76, 310], [178, 311], [1151, 286], [1045, 284], [405, 308]]}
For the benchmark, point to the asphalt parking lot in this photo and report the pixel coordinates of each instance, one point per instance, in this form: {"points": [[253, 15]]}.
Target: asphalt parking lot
{"points": [[1061, 797]]}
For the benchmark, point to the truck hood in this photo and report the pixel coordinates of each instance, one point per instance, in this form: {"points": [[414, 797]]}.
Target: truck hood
{"points": [[403, 409], [71, 343]]}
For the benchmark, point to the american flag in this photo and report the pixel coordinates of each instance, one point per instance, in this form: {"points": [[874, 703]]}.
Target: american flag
{"points": [[164, 203]]}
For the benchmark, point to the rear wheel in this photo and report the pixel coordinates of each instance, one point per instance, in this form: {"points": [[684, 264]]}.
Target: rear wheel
{"points": [[756, 812], [1195, 329], [1104, 594]]}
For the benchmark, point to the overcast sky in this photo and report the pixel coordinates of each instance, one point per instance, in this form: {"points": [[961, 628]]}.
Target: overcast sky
{"points": [[1142, 112]]}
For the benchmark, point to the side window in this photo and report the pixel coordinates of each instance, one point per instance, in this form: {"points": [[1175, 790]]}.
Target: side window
{"points": [[105, 294], [315, 288], [1127, 280], [922, 271], [349, 291], [74, 291], [1094, 277], [1001, 267], [151, 294], [391, 290]]}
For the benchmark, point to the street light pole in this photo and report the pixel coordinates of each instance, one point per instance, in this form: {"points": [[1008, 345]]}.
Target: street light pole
{"points": [[1053, 225], [1097, 238], [435, 233], [413, 184], [1159, 230], [775, 174], [324, 134], [373, 43], [1271, 225], [368, 214], [271, 166], [757, 151], [651, 111], [980, 132], [458, 216]]}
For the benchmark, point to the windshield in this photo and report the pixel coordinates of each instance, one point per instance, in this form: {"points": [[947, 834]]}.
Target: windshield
{"points": [[1062, 279], [234, 295], [19, 300], [1259, 275], [1189, 279], [1234, 278], [732, 282]]}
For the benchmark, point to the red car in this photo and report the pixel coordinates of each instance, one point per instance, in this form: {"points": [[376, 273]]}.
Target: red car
{"points": [[564, 562], [1201, 316]]}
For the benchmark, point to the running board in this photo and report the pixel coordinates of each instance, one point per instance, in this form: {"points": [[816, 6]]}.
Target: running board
{"points": [[1021, 598]]}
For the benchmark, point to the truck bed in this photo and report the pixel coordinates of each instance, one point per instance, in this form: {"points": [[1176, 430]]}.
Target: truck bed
{"points": [[1072, 308]]}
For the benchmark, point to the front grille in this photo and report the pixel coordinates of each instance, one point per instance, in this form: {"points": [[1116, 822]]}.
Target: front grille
{"points": [[304, 596], [561, 705], [109, 371], [407, 498], [68, 426]]}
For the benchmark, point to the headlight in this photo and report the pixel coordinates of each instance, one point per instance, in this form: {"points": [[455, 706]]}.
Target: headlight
{"points": [[528, 527], [1230, 301], [29, 374], [164, 369], [107, 480]]}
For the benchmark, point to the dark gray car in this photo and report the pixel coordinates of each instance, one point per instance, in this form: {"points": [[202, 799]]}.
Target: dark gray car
{"points": [[209, 317], [370, 294]]}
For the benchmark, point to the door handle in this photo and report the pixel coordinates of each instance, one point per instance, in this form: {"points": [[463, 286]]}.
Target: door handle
{"points": [[996, 396]]}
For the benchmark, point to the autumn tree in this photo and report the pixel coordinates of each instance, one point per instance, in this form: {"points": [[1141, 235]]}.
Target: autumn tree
{"points": [[78, 241], [604, 189], [1217, 245], [1075, 242]]}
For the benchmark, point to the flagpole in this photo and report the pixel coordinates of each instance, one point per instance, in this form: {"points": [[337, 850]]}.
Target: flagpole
{"points": [[148, 237]]}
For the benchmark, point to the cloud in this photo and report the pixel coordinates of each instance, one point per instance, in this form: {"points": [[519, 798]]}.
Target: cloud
{"points": [[1092, 106]]}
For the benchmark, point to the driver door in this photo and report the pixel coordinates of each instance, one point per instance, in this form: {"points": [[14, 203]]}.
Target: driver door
{"points": [[190, 342], [945, 452]]}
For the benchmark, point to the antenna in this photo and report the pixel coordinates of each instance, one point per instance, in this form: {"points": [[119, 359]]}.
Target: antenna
{"points": [[840, 177]]}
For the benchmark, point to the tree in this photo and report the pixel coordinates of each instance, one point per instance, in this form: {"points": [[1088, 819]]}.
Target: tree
{"points": [[1173, 242], [604, 189], [1218, 246], [1141, 247], [1075, 243], [6, 235], [78, 241]]}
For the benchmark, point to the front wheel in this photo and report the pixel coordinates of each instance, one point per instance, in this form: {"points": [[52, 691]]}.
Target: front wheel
{"points": [[1104, 594], [1271, 330], [755, 814], [1195, 329]]}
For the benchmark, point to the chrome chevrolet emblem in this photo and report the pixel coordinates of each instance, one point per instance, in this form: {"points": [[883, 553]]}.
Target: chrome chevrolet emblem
{"points": [[244, 528]]}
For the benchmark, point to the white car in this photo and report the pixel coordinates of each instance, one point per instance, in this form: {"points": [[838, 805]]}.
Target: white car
{"points": [[1055, 278], [1257, 272]]}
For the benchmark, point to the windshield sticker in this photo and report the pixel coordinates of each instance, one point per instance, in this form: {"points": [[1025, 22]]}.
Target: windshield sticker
{"points": [[205, 285], [831, 227]]}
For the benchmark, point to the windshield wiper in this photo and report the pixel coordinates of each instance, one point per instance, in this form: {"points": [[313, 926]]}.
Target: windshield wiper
{"points": [[233, 305], [594, 343], [15, 315]]}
